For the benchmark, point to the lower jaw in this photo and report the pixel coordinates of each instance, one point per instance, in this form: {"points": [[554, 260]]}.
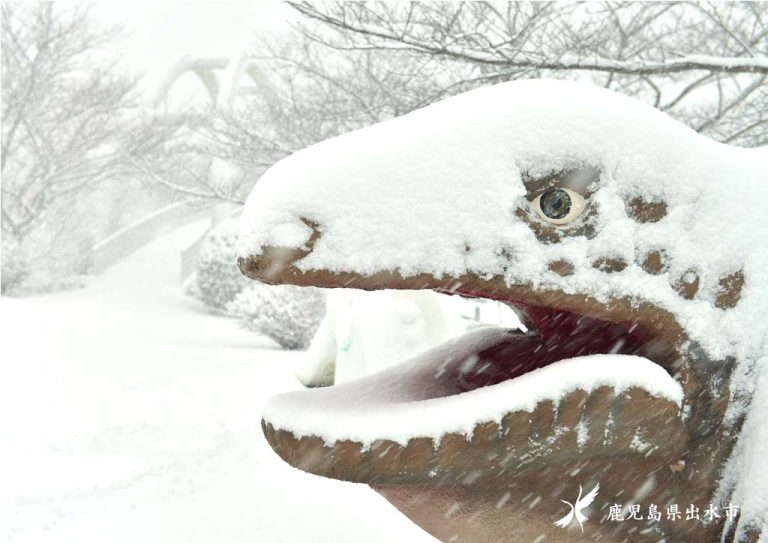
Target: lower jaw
{"points": [[523, 506], [493, 403]]}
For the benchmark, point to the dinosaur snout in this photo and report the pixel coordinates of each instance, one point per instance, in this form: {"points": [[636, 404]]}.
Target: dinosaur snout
{"points": [[276, 264]]}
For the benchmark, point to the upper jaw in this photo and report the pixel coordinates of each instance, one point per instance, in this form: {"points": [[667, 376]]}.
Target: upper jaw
{"points": [[278, 265]]}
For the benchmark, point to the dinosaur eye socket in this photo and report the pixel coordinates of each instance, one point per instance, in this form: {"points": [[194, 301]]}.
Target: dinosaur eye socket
{"points": [[558, 206]]}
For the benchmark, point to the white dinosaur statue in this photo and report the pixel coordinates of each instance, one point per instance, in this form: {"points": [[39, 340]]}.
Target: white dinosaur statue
{"points": [[365, 332]]}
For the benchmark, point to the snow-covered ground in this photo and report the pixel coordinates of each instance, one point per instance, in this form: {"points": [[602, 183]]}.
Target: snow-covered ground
{"points": [[128, 413]]}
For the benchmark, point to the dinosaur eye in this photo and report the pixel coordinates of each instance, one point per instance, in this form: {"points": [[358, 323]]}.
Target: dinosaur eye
{"points": [[558, 206]]}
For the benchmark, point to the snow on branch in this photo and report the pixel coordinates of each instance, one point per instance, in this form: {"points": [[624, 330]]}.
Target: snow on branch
{"points": [[703, 63], [641, 67], [445, 39]]}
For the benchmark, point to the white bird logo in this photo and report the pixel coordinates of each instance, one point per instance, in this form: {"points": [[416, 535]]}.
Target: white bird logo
{"points": [[576, 508]]}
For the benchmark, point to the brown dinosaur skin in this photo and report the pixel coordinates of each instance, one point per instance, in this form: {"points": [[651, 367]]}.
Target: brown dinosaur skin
{"points": [[503, 503]]}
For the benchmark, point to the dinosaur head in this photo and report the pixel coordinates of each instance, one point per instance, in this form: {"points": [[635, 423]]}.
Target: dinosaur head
{"points": [[613, 230]]}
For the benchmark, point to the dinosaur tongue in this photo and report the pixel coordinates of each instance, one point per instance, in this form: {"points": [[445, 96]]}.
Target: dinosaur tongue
{"points": [[491, 402]]}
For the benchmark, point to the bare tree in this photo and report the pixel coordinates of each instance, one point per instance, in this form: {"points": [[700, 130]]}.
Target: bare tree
{"points": [[319, 93], [173, 152], [705, 63], [63, 109], [300, 93], [353, 64]]}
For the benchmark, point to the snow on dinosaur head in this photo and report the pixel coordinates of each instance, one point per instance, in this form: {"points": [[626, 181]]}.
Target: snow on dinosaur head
{"points": [[630, 245]]}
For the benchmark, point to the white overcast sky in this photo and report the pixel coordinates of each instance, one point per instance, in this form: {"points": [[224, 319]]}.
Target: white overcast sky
{"points": [[158, 33]]}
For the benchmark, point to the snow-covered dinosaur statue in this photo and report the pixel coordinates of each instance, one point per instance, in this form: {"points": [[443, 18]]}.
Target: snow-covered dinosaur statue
{"points": [[634, 249]]}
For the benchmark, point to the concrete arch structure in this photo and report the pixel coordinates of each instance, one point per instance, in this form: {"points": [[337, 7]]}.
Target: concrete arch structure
{"points": [[222, 78]]}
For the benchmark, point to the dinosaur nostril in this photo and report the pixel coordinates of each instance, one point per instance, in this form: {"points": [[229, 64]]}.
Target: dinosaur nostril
{"points": [[275, 264]]}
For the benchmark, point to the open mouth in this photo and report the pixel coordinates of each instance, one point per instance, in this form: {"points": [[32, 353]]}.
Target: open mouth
{"points": [[493, 401]]}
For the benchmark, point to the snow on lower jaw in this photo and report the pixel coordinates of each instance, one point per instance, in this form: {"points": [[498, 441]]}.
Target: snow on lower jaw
{"points": [[411, 400]]}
